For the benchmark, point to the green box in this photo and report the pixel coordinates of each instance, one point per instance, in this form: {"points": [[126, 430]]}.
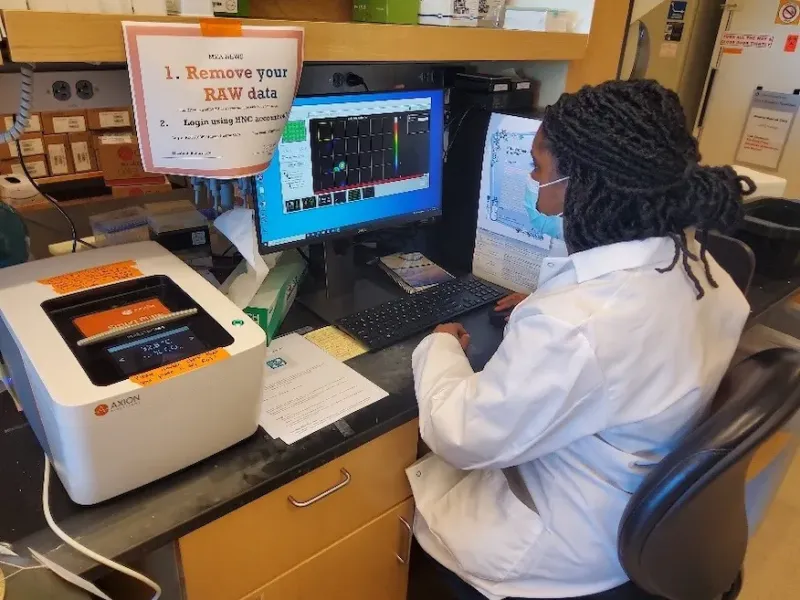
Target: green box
{"points": [[275, 296], [231, 8], [386, 11]]}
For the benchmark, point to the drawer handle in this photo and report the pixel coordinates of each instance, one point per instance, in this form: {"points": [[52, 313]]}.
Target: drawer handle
{"points": [[325, 494], [410, 539]]}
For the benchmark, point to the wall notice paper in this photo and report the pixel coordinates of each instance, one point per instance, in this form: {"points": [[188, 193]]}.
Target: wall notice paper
{"points": [[211, 99], [746, 40], [306, 389], [767, 128], [507, 251], [336, 343]]}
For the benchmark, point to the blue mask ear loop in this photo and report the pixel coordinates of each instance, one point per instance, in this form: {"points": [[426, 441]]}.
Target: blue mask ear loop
{"points": [[544, 185]]}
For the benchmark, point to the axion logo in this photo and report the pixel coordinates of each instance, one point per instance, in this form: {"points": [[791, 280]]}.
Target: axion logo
{"points": [[103, 409]]}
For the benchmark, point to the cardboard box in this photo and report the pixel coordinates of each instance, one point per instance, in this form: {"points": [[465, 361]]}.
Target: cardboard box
{"points": [[121, 163], [65, 121], [30, 144], [125, 191], [11, 167], [82, 152], [275, 296], [118, 137], [37, 166], [59, 155], [109, 118], [34, 123]]}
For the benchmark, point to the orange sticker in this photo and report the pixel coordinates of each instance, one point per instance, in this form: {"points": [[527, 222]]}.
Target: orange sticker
{"points": [[732, 51], [179, 368], [220, 28], [130, 314], [80, 280]]}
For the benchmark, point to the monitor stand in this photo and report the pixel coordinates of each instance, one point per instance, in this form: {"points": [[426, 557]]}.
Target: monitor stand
{"points": [[345, 292]]}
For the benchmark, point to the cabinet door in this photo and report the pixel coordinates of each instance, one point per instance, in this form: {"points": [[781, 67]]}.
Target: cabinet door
{"points": [[248, 548], [369, 564]]}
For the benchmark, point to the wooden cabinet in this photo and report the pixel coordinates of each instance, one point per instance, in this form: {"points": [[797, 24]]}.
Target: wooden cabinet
{"points": [[369, 564], [246, 549]]}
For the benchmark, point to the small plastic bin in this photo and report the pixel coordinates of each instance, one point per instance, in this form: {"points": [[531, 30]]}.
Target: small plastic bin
{"points": [[121, 226], [772, 229]]}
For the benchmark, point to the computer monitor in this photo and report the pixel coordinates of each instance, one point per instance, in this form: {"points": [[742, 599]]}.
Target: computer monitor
{"points": [[352, 163]]}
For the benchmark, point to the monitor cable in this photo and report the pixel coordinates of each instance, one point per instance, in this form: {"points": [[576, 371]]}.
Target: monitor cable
{"points": [[83, 549], [355, 80]]}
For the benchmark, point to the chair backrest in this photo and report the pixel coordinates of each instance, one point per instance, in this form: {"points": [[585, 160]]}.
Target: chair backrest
{"points": [[684, 533], [734, 256]]}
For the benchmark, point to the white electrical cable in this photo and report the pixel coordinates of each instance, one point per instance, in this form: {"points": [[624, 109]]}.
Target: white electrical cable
{"points": [[24, 109], [83, 549]]}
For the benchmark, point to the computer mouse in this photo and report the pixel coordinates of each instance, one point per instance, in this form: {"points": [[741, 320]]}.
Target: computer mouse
{"points": [[498, 318]]}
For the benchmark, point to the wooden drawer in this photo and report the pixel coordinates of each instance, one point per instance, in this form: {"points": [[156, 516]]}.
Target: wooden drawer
{"points": [[369, 564], [251, 546]]}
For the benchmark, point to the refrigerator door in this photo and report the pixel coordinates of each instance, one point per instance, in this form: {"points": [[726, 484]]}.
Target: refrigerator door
{"points": [[672, 43], [734, 77]]}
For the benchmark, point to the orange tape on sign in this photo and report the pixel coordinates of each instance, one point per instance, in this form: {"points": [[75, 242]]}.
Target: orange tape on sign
{"points": [[179, 368], [81, 280], [220, 28], [732, 51]]}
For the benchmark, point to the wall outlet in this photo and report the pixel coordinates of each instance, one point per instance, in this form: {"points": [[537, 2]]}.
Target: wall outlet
{"points": [[68, 90]]}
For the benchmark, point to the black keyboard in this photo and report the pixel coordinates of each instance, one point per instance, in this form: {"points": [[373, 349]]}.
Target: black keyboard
{"points": [[396, 320]]}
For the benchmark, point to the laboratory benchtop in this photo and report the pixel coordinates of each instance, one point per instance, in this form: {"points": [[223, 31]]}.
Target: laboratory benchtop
{"points": [[144, 520]]}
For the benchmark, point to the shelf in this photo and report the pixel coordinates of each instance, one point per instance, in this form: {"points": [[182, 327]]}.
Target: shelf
{"points": [[73, 38], [70, 177]]}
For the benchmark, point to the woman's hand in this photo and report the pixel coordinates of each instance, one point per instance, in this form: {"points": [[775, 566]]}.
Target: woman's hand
{"points": [[457, 331], [509, 302]]}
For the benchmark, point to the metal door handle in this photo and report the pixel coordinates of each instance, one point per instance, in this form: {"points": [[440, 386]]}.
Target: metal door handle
{"points": [[410, 539], [303, 503]]}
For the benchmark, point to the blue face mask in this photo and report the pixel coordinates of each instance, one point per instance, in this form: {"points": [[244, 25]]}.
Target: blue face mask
{"points": [[551, 225]]}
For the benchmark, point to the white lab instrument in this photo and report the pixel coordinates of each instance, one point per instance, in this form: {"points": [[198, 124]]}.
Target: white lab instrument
{"points": [[128, 364]]}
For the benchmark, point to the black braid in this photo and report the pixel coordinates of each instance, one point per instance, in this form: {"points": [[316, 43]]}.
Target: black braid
{"points": [[634, 172]]}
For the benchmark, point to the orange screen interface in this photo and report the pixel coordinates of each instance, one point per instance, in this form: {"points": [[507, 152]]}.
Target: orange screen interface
{"points": [[130, 314]]}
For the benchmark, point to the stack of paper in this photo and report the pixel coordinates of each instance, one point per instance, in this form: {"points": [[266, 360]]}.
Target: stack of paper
{"points": [[306, 389]]}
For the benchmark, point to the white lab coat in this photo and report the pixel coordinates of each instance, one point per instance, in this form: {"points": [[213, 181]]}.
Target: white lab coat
{"points": [[600, 373]]}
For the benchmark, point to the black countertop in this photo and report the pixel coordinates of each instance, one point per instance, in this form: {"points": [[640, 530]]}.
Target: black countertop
{"points": [[141, 521], [145, 519]]}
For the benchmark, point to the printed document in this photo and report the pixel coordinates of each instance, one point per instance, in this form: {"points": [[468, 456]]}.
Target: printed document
{"points": [[507, 251], [306, 389]]}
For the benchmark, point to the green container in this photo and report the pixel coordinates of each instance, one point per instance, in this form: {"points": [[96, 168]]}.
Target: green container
{"points": [[386, 11], [231, 8]]}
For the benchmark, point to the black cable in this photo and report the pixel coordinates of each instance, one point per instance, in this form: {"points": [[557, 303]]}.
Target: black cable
{"points": [[52, 201], [305, 256], [452, 138], [355, 80]]}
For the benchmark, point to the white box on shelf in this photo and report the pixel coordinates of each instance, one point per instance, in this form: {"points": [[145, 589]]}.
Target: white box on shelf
{"points": [[450, 13], [578, 13], [200, 8], [526, 19], [116, 7], [85, 6], [49, 5], [150, 7], [14, 4]]}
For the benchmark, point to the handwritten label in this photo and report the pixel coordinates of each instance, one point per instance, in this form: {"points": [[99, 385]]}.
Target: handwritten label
{"points": [[80, 155], [217, 94], [102, 275], [179, 368], [69, 124], [747, 40]]}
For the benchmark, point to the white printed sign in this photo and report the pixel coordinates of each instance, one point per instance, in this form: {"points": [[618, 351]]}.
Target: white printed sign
{"points": [[747, 40], [767, 128], [211, 99]]}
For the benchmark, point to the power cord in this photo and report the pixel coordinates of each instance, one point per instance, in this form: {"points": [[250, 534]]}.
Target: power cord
{"points": [[355, 80], [452, 137], [52, 201], [83, 549]]}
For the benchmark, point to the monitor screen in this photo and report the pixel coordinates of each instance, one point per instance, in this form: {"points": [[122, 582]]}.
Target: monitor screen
{"points": [[351, 163]]}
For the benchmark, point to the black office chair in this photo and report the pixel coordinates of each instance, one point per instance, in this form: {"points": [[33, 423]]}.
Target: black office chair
{"points": [[684, 533], [734, 256]]}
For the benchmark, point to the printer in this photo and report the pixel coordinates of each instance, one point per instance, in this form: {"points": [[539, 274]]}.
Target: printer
{"points": [[128, 365]]}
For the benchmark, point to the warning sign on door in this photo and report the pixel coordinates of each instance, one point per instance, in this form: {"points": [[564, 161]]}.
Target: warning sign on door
{"points": [[788, 12], [747, 40]]}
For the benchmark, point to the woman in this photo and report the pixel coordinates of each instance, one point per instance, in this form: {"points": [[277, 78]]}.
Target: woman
{"points": [[601, 371]]}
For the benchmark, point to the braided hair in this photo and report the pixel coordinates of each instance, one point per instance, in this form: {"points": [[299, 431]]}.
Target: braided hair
{"points": [[634, 172]]}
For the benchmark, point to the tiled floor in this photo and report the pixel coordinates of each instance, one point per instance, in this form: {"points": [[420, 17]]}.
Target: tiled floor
{"points": [[772, 568]]}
